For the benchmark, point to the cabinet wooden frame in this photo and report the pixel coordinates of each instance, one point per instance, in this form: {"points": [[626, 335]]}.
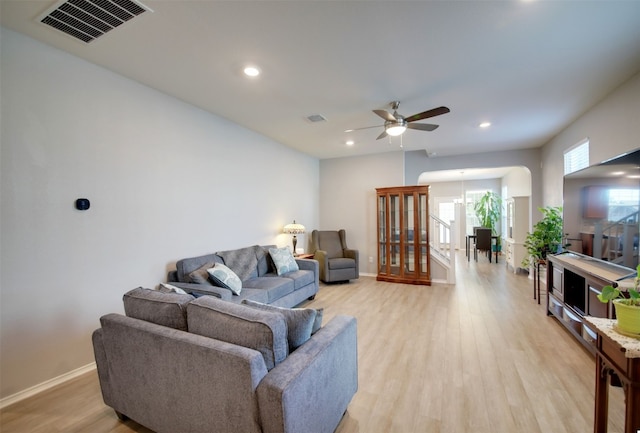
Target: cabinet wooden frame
{"points": [[403, 234]]}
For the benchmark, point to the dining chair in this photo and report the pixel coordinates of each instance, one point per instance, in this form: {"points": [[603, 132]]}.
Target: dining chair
{"points": [[483, 242]]}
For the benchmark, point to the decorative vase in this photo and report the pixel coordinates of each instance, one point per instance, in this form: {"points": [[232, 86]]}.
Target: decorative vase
{"points": [[628, 318]]}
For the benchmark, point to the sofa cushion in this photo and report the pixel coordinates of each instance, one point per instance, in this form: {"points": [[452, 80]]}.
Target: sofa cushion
{"points": [[340, 263], [301, 278], [242, 261], [283, 259], [300, 321], [275, 287], [330, 241], [222, 276], [166, 309], [264, 331]]}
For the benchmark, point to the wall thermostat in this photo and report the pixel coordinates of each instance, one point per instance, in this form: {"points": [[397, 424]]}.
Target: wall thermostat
{"points": [[82, 204]]}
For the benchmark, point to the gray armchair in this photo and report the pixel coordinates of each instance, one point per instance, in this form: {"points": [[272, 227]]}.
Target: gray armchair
{"points": [[337, 262]]}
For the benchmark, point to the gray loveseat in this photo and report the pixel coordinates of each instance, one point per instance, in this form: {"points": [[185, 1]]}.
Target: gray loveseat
{"points": [[255, 267], [179, 364]]}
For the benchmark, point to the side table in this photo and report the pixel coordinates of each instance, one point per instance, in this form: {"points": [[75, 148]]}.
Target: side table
{"points": [[536, 277], [303, 256], [620, 355]]}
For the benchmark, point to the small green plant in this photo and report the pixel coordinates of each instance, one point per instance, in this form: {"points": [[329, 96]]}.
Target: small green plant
{"points": [[546, 236], [488, 209], [609, 293]]}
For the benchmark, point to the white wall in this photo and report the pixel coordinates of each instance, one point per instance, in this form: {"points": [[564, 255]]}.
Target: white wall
{"points": [[517, 183], [612, 126], [348, 199], [166, 180]]}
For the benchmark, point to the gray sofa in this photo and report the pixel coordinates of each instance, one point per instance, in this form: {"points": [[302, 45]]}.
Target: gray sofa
{"points": [[179, 364], [255, 267]]}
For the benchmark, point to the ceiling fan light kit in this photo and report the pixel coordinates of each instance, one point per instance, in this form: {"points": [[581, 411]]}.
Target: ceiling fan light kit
{"points": [[395, 128]]}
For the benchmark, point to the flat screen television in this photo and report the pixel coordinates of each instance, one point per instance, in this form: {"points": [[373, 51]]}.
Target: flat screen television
{"points": [[600, 210]]}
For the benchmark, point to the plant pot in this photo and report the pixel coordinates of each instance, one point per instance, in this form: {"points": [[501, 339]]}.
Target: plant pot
{"points": [[628, 318]]}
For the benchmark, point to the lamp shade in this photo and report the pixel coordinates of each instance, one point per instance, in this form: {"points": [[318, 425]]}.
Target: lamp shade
{"points": [[293, 228]]}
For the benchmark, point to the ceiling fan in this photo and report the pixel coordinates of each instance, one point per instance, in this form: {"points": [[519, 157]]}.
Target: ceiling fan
{"points": [[395, 124]]}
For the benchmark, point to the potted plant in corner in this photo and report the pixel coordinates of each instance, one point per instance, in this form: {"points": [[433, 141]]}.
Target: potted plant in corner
{"points": [[546, 236], [627, 309], [488, 209]]}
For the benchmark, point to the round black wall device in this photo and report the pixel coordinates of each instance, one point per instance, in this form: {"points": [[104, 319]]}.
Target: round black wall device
{"points": [[82, 204]]}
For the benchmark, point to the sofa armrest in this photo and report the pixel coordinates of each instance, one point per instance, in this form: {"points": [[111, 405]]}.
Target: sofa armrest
{"points": [[310, 390], [203, 289], [353, 254], [172, 276], [308, 265]]}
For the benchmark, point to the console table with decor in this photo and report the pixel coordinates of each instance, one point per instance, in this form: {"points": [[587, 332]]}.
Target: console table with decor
{"points": [[616, 353], [574, 282]]}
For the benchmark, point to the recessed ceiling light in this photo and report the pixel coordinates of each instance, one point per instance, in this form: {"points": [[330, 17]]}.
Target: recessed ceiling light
{"points": [[350, 142], [251, 71], [485, 124]]}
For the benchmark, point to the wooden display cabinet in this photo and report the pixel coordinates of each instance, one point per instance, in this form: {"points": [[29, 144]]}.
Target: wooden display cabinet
{"points": [[403, 235]]}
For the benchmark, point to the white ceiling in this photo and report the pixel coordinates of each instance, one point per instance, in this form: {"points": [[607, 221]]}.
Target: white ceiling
{"points": [[529, 67]]}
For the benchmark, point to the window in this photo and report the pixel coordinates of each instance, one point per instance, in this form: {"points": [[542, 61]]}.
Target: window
{"points": [[577, 157], [470, 199], [623, 203]]}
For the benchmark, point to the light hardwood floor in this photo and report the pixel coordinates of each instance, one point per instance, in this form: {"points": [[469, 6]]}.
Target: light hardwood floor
{"points": [[477, 357]]}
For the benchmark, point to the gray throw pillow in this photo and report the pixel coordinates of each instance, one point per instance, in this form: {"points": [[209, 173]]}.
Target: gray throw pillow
{"points": [[300, 321], [200, 275]]}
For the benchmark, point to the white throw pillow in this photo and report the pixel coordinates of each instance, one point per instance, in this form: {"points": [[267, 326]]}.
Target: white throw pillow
{"points": [[283, 259], [168, 288], [225, 277]]}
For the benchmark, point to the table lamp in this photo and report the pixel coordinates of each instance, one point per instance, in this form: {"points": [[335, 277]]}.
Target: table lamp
{"points": [[294, 229]]}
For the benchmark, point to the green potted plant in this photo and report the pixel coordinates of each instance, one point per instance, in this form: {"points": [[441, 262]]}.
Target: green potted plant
{"points": [[546, 236], [627, 309], [488, 209]]}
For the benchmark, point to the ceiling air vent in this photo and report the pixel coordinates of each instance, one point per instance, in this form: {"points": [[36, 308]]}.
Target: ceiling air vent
{"points": [[316, 118], [89, 19]]}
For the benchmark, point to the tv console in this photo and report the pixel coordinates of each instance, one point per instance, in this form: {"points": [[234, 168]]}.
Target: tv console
{"points": [[574, 281]]}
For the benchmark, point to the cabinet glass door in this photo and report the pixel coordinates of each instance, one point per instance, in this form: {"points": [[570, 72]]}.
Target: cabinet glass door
{"points": [[409, 234], [382, 234], [422, 234], [394, 233]]}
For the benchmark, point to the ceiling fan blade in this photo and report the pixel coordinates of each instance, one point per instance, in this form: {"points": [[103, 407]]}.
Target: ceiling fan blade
{"points": [[426, 114], [422, 126], [385, 115], [366, 127], [384, 134]]}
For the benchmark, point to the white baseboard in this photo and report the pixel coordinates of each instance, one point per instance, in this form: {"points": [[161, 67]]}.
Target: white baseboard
{"points": [[45, 385]]}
